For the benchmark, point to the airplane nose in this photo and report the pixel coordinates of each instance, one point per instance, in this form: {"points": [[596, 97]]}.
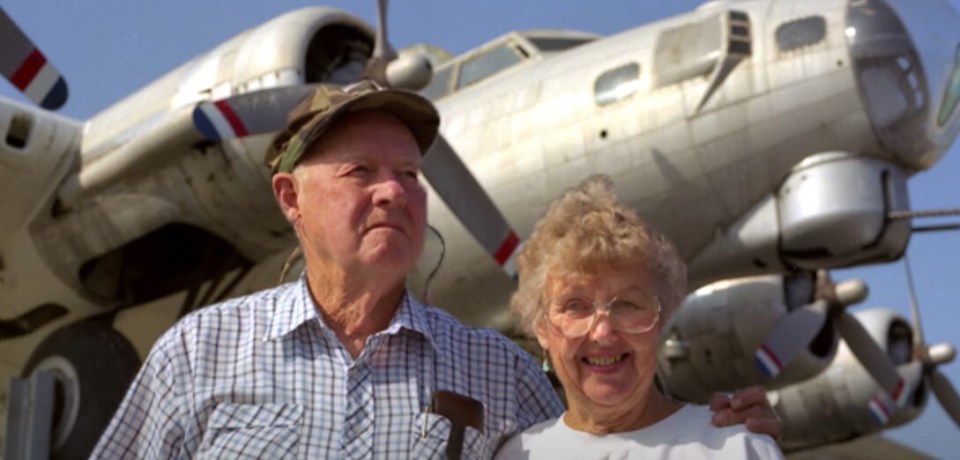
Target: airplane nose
{"points": [[906, 54]]}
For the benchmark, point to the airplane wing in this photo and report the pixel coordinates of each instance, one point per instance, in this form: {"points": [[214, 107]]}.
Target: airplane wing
{"points": [[867, 447]]}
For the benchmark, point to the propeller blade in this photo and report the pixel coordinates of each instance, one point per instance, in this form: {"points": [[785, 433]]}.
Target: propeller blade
{"points": [[882, 407], [28, 69], [248, 114], [874, 360], [946, 394], [912, 374], [381, 48], [789, 337], [467, 199]]}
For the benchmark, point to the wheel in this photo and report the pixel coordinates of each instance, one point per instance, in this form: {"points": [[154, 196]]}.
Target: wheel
{"points": [[92, 365]]}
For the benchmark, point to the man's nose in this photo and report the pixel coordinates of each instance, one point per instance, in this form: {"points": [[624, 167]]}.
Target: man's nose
{"points": [[390, 190]]}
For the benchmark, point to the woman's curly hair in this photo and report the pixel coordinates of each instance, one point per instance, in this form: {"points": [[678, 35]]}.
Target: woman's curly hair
{"points": [[585, 230]]}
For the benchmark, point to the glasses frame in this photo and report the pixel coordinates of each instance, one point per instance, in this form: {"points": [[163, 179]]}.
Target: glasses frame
{"points": [[603, 308]]}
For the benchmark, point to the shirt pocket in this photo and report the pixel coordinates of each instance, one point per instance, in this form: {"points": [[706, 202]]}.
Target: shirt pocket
{"points": [[252, 431], [431, 432]]}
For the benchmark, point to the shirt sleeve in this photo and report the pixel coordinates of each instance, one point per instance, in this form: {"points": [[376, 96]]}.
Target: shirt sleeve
{"points": [[537, 401], [149, 423]]}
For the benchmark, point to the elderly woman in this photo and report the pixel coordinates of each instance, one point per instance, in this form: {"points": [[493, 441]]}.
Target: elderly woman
{"points": [[596, 284]]}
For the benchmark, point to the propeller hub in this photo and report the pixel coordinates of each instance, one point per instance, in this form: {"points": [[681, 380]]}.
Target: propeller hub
{"points": [[851, 292], [409, 71], [941, 353]]}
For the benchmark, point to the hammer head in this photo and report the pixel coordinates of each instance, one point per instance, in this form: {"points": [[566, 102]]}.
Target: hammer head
{"points": [[459, 409]]}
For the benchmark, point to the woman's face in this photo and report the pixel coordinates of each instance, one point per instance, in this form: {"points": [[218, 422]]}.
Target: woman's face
{"points": [[604, 367]]}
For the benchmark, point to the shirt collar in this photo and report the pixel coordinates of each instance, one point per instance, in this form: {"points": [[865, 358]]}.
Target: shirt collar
{"points": [[411, 315], [295, 307]]}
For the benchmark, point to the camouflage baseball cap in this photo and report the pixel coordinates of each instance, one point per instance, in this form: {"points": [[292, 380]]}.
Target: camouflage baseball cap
{"points": [[307, 122]]}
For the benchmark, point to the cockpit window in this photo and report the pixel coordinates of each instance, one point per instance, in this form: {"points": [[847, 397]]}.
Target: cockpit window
{"points": [[687, 51], [951, 95], [616, 84], [487, 63], [439, 84], [548, 44], [801, 32]]}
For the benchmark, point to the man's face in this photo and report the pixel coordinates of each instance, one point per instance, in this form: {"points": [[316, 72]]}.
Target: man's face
{"points": [[359, 204]]}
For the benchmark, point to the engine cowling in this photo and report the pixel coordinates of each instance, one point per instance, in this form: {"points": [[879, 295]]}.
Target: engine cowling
{"points": [[832, 211], [835, 405], [708, 344], [148, 183]]}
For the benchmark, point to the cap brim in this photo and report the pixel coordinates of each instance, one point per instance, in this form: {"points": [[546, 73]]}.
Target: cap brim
{"points": [[414, 110]]}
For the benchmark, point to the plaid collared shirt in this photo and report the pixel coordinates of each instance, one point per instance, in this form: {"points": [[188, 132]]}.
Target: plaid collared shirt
{"points": [[261, 376]]}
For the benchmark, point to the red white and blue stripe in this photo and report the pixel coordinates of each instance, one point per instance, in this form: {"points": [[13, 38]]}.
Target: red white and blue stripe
{"points": [[217, 121], [37, 79], [882, 407], [767, 362], [27, 68], [879, 411]]}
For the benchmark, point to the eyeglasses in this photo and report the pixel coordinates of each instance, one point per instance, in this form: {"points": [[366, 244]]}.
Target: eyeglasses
{"points": [[574, 316]]}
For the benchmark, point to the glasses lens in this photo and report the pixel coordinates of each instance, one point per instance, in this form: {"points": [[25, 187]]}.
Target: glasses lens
{"points": [[571, 315], [632, 317], [574, 316]]}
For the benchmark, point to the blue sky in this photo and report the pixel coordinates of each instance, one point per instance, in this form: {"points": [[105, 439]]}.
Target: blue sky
{"points": [[109, 48]]}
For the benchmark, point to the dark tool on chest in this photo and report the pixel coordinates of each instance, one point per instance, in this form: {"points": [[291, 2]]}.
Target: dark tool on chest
{"points": [[462, 411]]}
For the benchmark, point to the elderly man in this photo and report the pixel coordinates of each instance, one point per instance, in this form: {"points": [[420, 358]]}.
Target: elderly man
{"points": [[343, 363]]}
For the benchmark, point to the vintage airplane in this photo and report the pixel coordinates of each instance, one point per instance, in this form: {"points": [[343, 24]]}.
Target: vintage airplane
{"points": [[787, 130]]}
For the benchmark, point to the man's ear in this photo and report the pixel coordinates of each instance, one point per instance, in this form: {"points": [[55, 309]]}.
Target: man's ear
{"points": [[285, 191]]}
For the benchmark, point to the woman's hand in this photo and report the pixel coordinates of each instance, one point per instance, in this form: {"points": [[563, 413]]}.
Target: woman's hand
{"points": [[748, 406]]}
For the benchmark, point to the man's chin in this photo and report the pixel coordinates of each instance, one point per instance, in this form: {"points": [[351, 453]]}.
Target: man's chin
{"points": [[390, 258]]}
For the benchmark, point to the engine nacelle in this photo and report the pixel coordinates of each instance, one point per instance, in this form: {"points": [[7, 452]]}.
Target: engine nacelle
{"points": [[708, 344], [148, 182], [830, 212], [835, 405]]}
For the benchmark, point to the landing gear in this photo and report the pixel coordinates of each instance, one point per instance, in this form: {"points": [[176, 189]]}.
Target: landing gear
{"points": [[93, 366]]}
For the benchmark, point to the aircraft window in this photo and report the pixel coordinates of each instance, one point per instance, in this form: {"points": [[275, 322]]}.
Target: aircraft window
{"points": [[951, 95], [486, 64], [19, 130], [687, 51], [800, 33], [439, 84], [548, 44], [616, 84]]}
